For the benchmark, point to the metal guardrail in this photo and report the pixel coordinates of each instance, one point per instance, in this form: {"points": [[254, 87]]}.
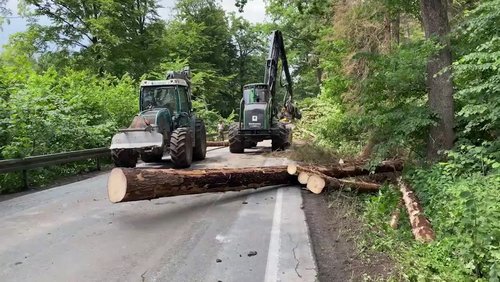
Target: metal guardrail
{"points": [[24, 164]]}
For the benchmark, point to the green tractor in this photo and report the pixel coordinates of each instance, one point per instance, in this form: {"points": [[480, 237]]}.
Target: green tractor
{"points": [[166, 124], [259, 116]]}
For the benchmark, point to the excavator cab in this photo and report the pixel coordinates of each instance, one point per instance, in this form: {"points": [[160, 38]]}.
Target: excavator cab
{"points": [[258, 117], [255, 93]]}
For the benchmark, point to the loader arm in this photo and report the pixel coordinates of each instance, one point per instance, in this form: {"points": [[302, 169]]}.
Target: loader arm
{"points": [[277, 52]]}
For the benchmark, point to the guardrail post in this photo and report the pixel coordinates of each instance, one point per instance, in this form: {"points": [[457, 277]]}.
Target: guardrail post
{"points": [[98, 164], [25, 179]]}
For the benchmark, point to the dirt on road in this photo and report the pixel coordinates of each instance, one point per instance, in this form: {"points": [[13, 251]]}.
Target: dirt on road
{"points": [[335, 226]]}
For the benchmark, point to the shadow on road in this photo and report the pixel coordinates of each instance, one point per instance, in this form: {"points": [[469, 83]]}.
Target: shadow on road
{"points": [[143, 221]]}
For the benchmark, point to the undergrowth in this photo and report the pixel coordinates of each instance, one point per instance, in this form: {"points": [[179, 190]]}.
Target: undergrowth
{"points": [[460, 198]]}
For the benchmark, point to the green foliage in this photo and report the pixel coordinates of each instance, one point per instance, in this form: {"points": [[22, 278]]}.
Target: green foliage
{"points": [[477, 73], [460, 198], [104, 35], [373, 89], [51, 113]]}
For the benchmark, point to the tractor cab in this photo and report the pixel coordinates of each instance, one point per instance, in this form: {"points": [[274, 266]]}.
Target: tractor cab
{"points": [[169, 94]]}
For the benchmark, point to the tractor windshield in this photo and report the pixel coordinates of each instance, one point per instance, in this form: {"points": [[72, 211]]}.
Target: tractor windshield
{"points": [[159, 97], [255, 95]]}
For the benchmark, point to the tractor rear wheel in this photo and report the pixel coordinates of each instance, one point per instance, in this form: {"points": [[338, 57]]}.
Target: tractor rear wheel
{"points": [[236, 141], [124, 157], [280, 140], [181, 147], [200, 141]]}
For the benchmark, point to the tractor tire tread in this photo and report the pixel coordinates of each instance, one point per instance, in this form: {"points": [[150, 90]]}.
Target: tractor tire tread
{"points": [[181, 149]]}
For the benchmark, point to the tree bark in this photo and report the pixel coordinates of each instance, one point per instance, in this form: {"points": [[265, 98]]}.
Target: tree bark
{"points": [[396, 214], [395, 29], [125, 184], [347, 171], [440, 92], [421, 227]]}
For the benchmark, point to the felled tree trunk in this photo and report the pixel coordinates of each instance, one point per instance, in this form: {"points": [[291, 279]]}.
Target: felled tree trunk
{"points": [[421, 227], [144, 184], [346, 171], [217, 143], [396, 214]]}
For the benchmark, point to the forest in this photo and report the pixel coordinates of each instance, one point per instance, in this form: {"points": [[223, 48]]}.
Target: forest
{"points": [[375, 79]]}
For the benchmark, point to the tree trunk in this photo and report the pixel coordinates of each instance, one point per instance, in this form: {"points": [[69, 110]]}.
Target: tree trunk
{"points": [[421, 227], [440, 92], [347, 171], [396, 214], [126, 184], [395, 24]]}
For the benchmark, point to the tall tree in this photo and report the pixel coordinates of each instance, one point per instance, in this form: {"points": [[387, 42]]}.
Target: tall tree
{"points": [[201, 34], [440, 86], [98, 30], [250, 44]]}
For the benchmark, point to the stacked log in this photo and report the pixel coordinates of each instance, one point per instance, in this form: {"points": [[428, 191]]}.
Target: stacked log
{"points": [[318, 178]]}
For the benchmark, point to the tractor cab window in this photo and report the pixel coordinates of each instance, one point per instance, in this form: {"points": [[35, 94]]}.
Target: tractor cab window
{"points": [[255, 95], [159, 97], [183, 99]]}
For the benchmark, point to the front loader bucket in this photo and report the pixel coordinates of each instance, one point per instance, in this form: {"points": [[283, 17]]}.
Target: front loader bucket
{"points": [[136, 139]]}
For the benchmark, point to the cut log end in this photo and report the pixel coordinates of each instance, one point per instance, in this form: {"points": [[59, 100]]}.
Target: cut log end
{"points": [[316, 184], [292, 169], [303, 178], [117, 185]]}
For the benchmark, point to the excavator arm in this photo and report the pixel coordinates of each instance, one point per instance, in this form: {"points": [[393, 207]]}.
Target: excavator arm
{"points": [[277, 52]]}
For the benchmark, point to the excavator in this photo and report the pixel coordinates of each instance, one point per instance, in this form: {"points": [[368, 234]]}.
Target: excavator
{"points": [[259, 117]]}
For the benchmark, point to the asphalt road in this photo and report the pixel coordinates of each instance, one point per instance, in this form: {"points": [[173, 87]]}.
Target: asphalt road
{"points": [[73, 233]]}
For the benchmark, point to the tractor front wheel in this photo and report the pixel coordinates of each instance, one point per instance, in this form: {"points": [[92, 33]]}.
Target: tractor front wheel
{"points": [[200, 141], [236, 142], [181, 147]]}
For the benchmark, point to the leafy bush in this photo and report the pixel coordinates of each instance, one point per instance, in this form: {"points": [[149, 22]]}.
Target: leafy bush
{"points": [[53, 112]]}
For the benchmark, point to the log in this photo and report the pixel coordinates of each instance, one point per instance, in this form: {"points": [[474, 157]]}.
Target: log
{"points": [[396, 214], [360, 186], [217, 143], [292, 169], [127, 184], [303, 177], [346, 171], [420, 225], [316, 183], [316, 180]]}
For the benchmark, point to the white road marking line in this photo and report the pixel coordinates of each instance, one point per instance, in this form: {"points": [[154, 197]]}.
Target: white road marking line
{"points": [[275, 241]]}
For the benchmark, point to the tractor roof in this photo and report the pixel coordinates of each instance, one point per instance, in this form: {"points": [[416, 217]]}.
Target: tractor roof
{"points": [[254, 85], [168, 82]]}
